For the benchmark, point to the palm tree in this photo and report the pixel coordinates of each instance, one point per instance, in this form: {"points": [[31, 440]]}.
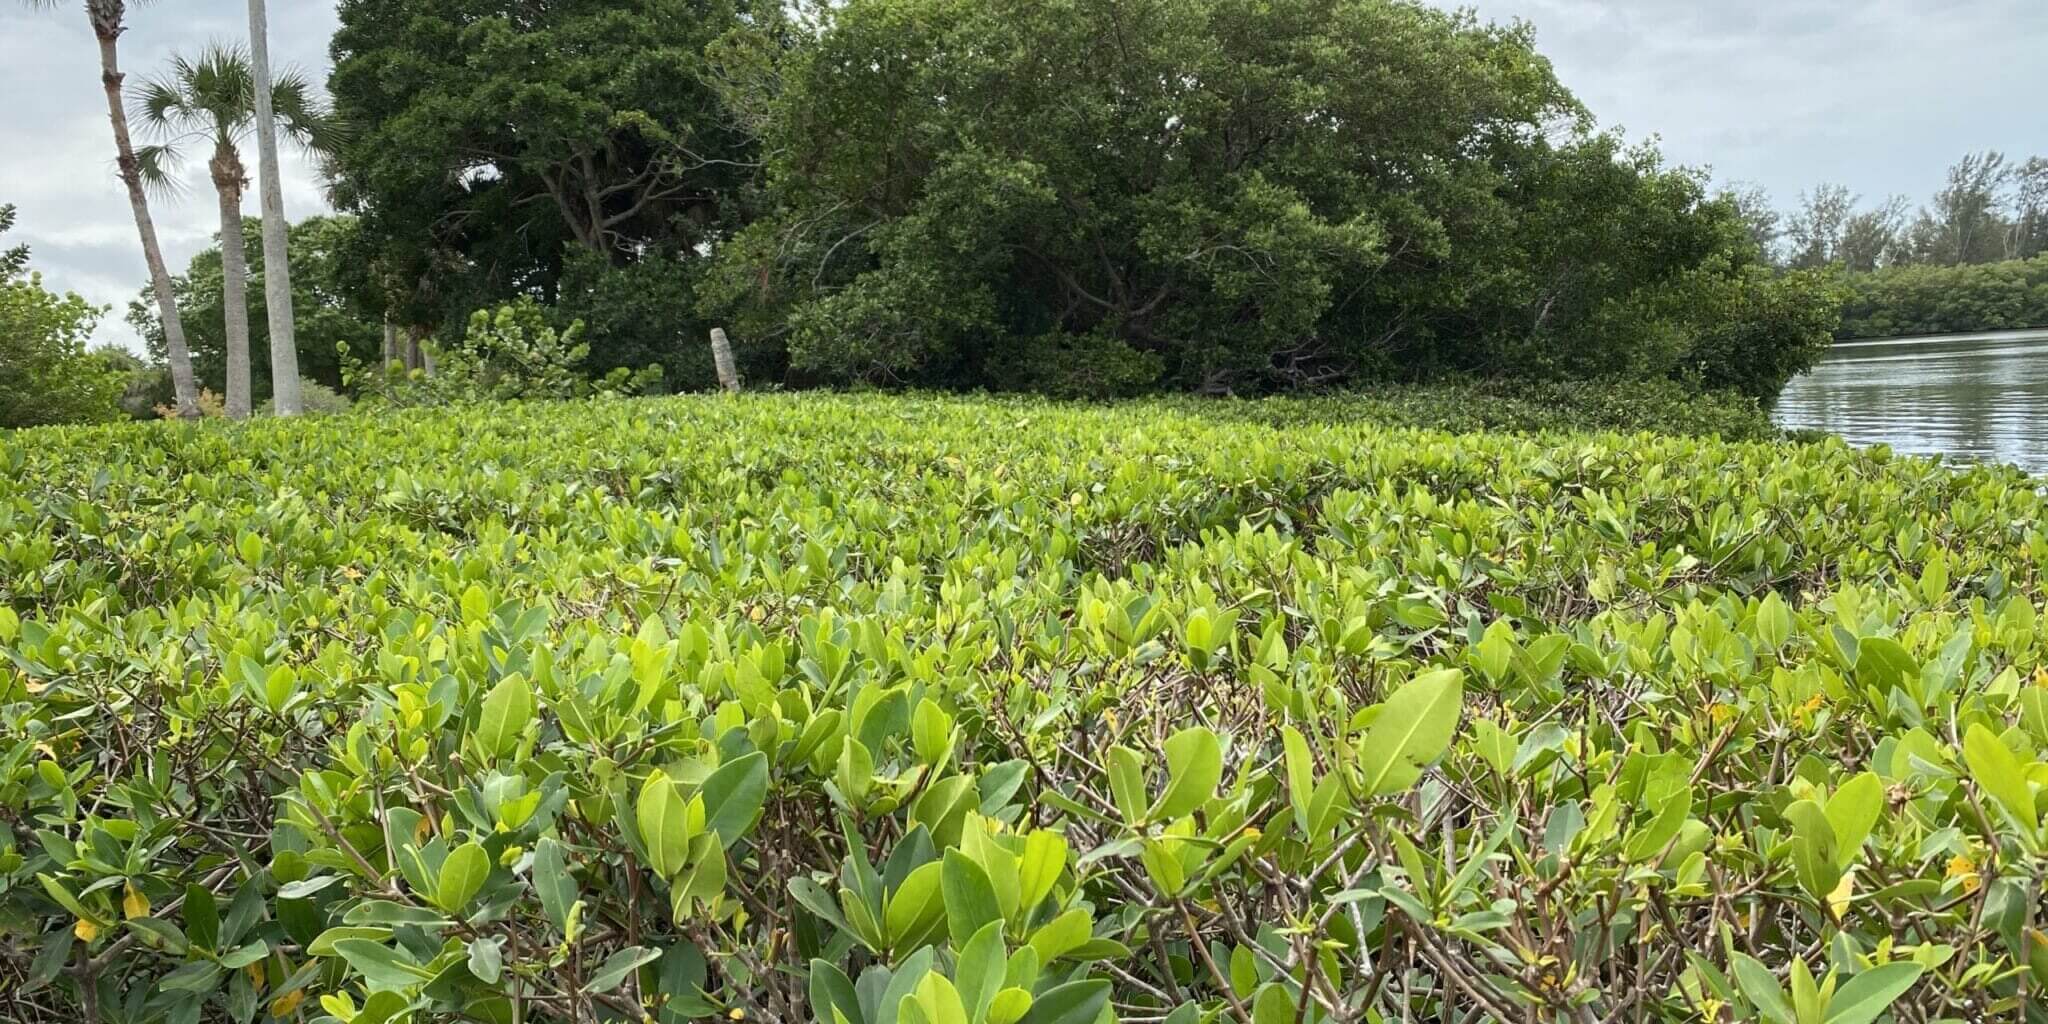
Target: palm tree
{"points": [[277, 269], [109, 19], [212, 101]]}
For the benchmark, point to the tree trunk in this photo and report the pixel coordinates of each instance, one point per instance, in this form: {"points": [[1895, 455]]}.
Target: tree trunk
{"points": [[228, 182], [277, 270], [180, 357], [389, 353], [721, 357]]}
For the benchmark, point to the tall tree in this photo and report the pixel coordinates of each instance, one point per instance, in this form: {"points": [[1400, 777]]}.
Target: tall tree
{"points": [[211, 100], [1815, 232], [277, 276], [1764, 224], [331, 323], [1963, 224], [1871, 238], [109, 19], [2029, 204]]}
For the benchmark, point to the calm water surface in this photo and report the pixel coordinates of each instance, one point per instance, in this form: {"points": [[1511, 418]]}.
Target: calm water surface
{"points": [[1974, 397]]}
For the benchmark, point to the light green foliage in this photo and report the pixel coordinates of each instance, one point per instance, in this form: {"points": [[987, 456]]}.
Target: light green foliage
{"points": [[46, 374], [835, 708]]}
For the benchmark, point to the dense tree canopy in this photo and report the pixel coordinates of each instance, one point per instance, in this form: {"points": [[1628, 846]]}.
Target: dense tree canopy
{"points": [[535, 148], [1101, 197]]}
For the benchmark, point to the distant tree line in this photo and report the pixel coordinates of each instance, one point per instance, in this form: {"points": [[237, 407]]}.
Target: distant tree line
{"points": [[1081, 197], [1973, 257], [1076, 197]]}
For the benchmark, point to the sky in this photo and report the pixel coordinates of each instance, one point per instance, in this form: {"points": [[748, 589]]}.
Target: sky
{"points": [[1877, 95]]}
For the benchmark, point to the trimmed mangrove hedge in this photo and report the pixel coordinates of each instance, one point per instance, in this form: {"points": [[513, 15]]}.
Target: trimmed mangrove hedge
{"points": [[876, 710]]}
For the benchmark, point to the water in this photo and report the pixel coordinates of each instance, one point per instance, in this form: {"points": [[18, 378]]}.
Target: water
{"points": [[1971, 397]]}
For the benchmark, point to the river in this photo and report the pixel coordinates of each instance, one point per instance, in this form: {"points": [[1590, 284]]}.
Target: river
{"points": [[1971, 397]]}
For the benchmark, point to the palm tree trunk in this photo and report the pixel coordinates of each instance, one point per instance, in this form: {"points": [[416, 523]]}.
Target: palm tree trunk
{"points": [[234, 272], [180, 357], [277, 270]]}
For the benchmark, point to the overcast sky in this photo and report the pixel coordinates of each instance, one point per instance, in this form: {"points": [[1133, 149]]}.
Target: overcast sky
{"points": [[1879, 95]]}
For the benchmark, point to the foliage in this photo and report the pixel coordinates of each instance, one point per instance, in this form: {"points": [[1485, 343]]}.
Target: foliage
{"points": [[46, 374], [329, 320], [513, 353], [1093, 198], [1758, 330], [956, 711], [497, 142], [1919, 299]]}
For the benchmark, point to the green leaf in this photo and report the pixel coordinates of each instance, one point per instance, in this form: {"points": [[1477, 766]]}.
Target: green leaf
{"points": [[1194, 765], [1814, 859], [552, 881], [486, 959], [1127, 783], [982, 965], [1996, 771], [1867, 995], [1761, 987], [1273, 1005], [1414, 727], [1853, 811], [613, 971], [832, 991], [379, 964], [1076, 1002], [969, 896], [663, 819], [462, 877], [733, 795], [507, 711], [1649, 842], [914, 908], [1044, 860], [201, 918]]}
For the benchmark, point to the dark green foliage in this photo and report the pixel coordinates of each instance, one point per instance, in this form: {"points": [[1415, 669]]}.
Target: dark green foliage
{"points": [[508, 149], [1625, 406], [1921, 299], [1096, 198], [326, 283]]}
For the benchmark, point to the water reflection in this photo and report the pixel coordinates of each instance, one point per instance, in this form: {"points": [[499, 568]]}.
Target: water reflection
{"points": [[1980, 397]]}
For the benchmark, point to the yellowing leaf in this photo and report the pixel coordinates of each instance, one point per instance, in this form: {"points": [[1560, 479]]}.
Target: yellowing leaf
{"points": [[85, 930], [134, 903]]}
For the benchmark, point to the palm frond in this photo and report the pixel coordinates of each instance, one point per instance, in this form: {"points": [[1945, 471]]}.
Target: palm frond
{"points": [[156, 163], [302, 117]]}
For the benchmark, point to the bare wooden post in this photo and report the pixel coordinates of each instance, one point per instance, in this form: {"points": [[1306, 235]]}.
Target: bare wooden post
{"points": [[721, 355]]}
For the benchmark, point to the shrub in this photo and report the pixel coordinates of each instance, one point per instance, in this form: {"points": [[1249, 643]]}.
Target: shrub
{"points": [[46, 374], [865, 710], [512, 353]]}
